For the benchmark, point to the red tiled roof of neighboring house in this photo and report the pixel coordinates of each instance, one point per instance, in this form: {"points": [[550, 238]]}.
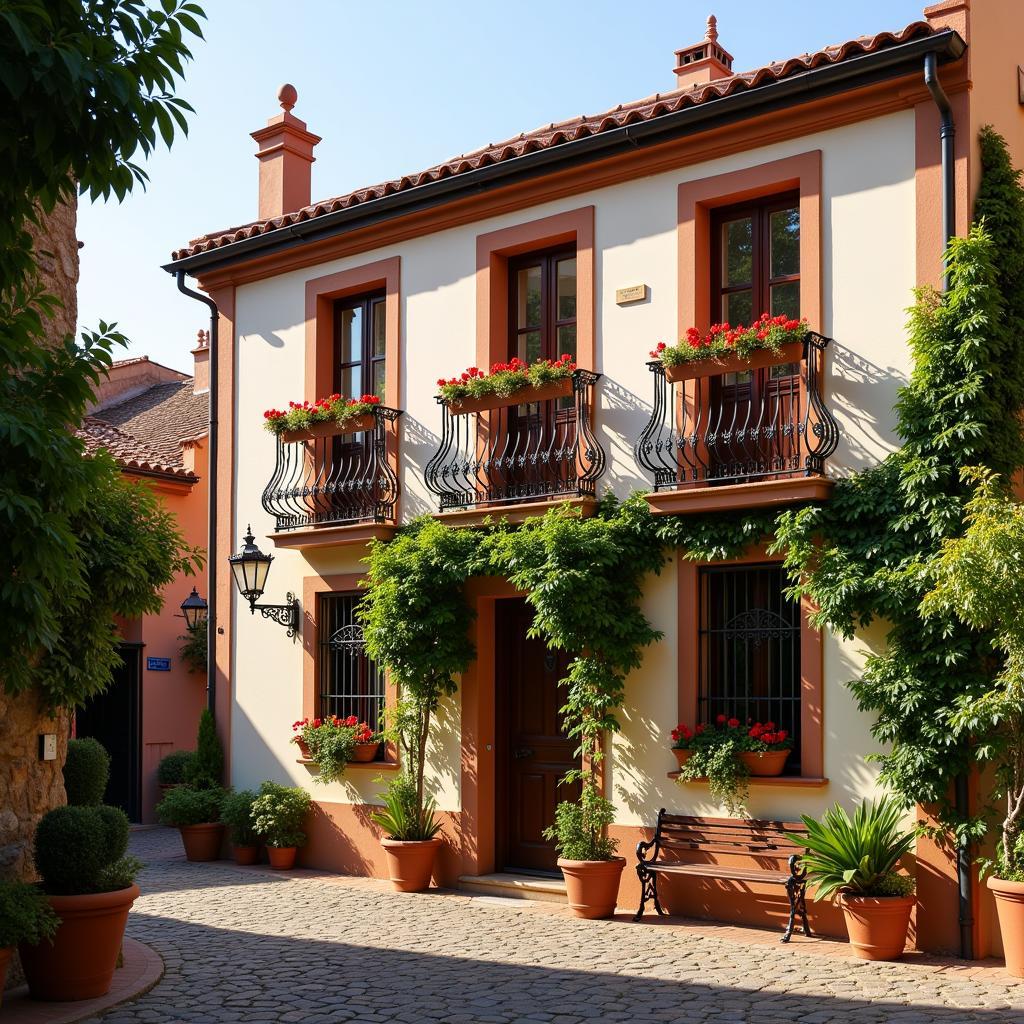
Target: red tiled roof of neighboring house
{"points": [[128, 451], [562, 132]]}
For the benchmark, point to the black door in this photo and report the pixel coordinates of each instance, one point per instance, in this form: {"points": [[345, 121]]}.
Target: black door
{"points": [[114, 718]]}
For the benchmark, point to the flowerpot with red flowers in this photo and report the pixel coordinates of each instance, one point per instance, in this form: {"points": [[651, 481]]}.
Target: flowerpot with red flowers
{"points": [[856, 862], [766, 749], [326, 417], [682, 735], [196, 815], [279, 817], [723, 348], [513, 383], [332, 742], [236, 815]]}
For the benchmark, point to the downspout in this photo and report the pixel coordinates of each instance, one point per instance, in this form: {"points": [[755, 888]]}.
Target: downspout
{"points": [[947, 136], [211, 543]]}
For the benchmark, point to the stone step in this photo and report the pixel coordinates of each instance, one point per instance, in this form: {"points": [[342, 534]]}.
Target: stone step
{"points": [[515, 885]]}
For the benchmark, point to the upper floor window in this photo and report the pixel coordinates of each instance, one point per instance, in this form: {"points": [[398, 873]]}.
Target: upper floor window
{"points": [[359, 346], [542, 312]]}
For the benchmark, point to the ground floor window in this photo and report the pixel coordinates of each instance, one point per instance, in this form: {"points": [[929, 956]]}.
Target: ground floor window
{"points": [[350, 683], [750, 649]]}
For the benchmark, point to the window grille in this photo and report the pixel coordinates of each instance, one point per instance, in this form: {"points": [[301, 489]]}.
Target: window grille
{"points": [[750, 649], [350, 683]]}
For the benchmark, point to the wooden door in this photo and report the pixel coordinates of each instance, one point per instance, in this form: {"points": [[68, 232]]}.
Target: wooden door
{"points": [[534, 753]]}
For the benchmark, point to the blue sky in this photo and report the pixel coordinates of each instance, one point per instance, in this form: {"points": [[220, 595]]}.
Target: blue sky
{"points": [[394, 87]]}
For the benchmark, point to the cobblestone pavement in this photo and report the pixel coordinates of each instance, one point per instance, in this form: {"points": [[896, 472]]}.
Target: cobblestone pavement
{"points": [[247, 944]]}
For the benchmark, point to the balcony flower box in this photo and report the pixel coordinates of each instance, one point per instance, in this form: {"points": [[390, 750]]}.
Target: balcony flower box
{"points": [[555, 389], [366, 421], [791, 352]]}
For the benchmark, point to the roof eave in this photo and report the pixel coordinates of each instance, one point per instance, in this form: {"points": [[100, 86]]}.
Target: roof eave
{"points": [[815, 83]]}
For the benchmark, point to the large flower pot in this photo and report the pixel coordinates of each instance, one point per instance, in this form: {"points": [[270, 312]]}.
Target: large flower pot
{"points": [[6, 952], [365, 751], [877, 925], [282, 858], [80, 962], [764, 763], [682, 756], [592, 886], [1010, 910], [411, 864], [202, 842], [246, 855]]}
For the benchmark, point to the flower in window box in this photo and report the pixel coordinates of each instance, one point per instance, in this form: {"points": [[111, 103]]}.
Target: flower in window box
{"points": [[722, 341], [332, 742], [682, 736]]}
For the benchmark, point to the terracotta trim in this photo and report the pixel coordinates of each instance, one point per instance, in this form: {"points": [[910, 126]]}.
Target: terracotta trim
{"points": [[798, 782], [321, 294], [761, 494], [812, 664], [515, 513], [333, 536], [698, 198]]}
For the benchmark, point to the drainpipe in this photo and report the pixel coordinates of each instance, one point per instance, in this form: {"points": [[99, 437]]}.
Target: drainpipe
{"points": [[211, 543], [947, 136]]}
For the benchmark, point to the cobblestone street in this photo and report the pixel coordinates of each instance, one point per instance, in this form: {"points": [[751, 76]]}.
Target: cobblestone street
{"points": [[245, 944]]}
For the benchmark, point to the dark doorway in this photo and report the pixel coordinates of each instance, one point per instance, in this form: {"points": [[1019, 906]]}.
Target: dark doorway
{"points": [[534, 752], [114, 718]]}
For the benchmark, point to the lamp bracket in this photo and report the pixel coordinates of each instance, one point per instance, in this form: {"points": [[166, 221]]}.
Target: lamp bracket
{"points": [[284, 614]]}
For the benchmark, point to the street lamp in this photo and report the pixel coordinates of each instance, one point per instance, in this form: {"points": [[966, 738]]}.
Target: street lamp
{"points": [[250, 568], [195, 609]]}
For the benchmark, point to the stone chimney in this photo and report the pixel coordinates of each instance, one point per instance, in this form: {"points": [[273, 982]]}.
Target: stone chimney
{"points": [[201, 355], [703, 62], [286, 157]]}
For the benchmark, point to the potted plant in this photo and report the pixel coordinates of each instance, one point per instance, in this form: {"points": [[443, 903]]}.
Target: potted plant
{"points": [[510, 383], [196, 814], [278, 815], [765, 749], [89, 882], [586, 853], [206, 770], [714, 756], [25, 916], [236, 815], [326, 417], [86, 772], [410, 834], [682, 735], [856, 862], [332, 742], [174, 768], [367, 743]]}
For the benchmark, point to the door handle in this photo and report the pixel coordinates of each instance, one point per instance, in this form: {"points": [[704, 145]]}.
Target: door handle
{"points": [[522, 752]]}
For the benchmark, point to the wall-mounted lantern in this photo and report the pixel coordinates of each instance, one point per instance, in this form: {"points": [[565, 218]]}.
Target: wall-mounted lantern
{"points": [[195, 610], [250, 568]]}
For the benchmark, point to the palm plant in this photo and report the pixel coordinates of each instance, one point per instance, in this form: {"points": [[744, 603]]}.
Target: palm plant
{"points": [[402, 817], [859, 856]]}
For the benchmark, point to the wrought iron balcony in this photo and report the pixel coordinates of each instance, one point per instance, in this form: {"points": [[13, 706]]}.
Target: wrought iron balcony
{"points": [[329, 475], [729, 423], [535, 445]]}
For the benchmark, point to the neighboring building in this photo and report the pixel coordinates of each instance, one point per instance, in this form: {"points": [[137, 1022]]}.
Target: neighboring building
{"points": [[811, 186], [154, 421]]}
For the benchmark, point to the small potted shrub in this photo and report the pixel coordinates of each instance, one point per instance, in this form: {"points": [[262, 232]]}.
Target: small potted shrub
{"points": [[174, 769], [411, 830], [196, 814], [586, 853], [206, 771], [236, 816], [89, 882], [332, 742], [86, 772], [278, 814], [682, 736], [856, 862], [25, 916]]}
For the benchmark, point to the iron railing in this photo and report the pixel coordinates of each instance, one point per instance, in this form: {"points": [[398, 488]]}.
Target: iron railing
{"points": [[336, 479], [515, 453], [738, 427]]}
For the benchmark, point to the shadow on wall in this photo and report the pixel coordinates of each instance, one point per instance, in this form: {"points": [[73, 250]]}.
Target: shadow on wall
{"points": [[418, 446], [621, 417]]}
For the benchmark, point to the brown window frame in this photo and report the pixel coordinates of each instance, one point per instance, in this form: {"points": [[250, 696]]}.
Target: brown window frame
{"points": [[548, 260], [367, 360]]}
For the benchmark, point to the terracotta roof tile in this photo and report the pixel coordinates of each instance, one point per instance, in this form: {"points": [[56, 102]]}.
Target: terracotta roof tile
{"points": [[557, 133], [128, 451]]}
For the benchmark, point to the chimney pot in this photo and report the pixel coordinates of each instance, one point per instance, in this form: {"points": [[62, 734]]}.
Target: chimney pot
{"points": [[201, 366], [703, 62], [286, 157]]}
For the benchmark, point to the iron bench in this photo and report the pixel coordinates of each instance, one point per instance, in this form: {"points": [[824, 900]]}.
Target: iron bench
{"points": [[678, 836]]}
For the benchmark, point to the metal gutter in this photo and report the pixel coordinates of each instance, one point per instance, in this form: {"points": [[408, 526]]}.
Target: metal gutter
{"points": [[803, 87]]}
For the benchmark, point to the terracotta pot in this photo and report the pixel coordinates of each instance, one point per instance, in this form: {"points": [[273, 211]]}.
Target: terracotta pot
{"points": [[6, 952], [281, 857], [366, 751], [877, 925], [769, 762], [365, 422], [303, 749], [592, 886], [791, 352], [80, 962], [246, 855], [410, 865], [682, 756], [202, 842], [556, 389], [1010, 910]]}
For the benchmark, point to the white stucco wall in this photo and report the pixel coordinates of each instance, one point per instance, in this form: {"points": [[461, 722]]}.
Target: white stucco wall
{"points": [[868, 273]]}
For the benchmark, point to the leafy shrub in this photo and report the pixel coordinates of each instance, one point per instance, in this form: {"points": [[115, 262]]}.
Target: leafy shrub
{"points": [[332, 742], [859, 857], [236, 813], [207, 770], [174, 768], [402, 816], [187, 806], [80, 850], [279, 813], [580, 829], [25, 915], [86, 772]]}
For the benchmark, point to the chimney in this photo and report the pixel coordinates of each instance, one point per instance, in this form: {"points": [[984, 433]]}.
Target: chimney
{"points": [[703, 62], [201, 373], [286, 156]]}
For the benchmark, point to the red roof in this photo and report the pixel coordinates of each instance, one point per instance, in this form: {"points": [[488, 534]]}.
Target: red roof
{"points": [[128, 451], [556, 134]]}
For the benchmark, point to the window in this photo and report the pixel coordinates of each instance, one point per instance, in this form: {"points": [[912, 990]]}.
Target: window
{"points": [[359, 347], [543, 305], [749, 639], [350, 683]]}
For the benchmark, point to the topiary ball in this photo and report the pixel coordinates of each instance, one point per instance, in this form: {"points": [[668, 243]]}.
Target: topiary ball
{"points": [[70, 850], [86, 772], [115, 832]]}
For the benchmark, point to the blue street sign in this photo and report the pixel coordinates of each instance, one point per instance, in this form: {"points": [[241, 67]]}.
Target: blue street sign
{"points": [[158, 664]]}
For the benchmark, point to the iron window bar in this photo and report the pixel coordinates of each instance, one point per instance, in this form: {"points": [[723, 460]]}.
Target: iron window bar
{"points": [[350, 682]]}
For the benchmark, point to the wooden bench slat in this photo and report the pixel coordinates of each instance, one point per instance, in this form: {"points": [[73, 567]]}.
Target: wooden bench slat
{"points": [[718, 871]]}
